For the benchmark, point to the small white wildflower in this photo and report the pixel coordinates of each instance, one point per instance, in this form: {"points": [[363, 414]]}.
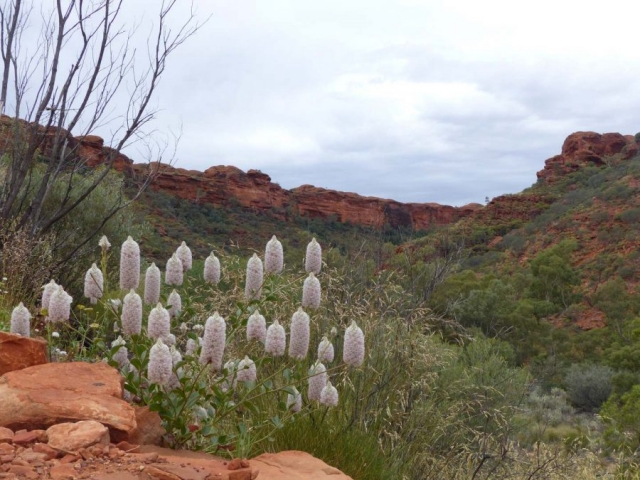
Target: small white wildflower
{"points": [[353, 351], [20, 321], [325, 350], [246, 370], [300, 331], [174, 302], [212, 269], [255, 277], [317, 381], [159, 323], [329, 395], [59, 306], [256, 327], [294, 402], [131, 317], [276, 341], [174, 274], [55, 335], [104, 243], [152, 282], [273, 256], [214, 338], [129, 265], [311, 292], [160, 364], [183, 328], [184, 254], [313, 258]]}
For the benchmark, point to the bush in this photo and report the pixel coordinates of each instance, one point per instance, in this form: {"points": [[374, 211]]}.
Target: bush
{"points": [[588, 385]]}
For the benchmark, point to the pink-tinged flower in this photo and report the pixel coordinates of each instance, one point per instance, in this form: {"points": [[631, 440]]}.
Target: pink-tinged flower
{"points": [[256, 327], [276, 341], [174, 302], [325, 350], [294, 402], [329, 395], [229, 379], [246, 370], [152, 285], [299, 341], [129, 265], [159, 323], [122, 354], [184, 254], [213, 341], [317, 381], [104, 243], [131, 313], [273, 256], [311, 292], [174, 274], [212, 269], [253, 285], [20, 321], [59, 306], [160, 363], [47, 291], [176, 357], [353, 351], [192, 347], [313, 258], [93, 284]]}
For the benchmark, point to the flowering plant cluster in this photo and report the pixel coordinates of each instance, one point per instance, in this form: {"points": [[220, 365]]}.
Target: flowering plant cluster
{"points": [[216, 370]]}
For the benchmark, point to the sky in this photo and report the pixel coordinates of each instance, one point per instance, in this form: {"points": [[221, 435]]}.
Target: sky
{"points": [[417, 101]]}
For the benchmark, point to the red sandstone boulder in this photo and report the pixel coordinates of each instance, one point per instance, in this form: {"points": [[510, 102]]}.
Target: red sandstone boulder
{"points": [[71, 437], [18, 352], [44, 395], [294, 465]]}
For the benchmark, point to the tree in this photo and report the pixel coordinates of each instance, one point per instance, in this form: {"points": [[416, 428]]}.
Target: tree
{"points": [[83, 64], [554, 279]]}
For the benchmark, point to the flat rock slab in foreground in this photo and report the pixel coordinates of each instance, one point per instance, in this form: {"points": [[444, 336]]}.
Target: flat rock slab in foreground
{"points": [[295, 465], [44, 395], [18, 352]]}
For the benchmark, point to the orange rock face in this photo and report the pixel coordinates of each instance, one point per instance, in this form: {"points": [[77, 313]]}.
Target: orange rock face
{"points": [[581, 149], [18, 352], [226, 185]]}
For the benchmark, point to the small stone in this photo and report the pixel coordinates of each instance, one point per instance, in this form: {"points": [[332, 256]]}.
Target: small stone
{"points": [[63, 472], [70, 458], [234, 464], [127, 447], [6, 448], [23, 471], [158, 474], [24, 437], [240, 475], [7, 458], [47, 450], [86, 454], [19, 461], [6, 435], [244, 463], [144, 457], [71, 437]]}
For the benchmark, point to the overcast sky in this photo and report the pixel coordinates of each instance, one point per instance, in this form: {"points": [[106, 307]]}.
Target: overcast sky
{"points": [[418, 101]]}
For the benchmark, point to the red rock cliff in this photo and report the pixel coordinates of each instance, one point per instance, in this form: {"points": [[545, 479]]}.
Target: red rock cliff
{"points": [[582, 149], [226, 185]]}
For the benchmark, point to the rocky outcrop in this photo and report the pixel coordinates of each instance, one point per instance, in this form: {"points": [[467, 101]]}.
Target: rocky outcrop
{"points": [[582, 149], [506, 208], [45, 395], [254, 190], [18, 352]]}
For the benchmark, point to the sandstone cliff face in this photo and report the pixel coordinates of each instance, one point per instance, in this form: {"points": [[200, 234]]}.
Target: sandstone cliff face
{"points": [[227, 185], [582, 149]]}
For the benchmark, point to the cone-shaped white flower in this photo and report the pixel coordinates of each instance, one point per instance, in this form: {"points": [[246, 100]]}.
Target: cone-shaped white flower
{"points": [[184, 254], [276, 341], [129, 265], [212, 269], [311, 292], [104, 243], [329, 395], [191, 347], [353, 351], [256, 327], [122, 355], [160, 364], [174, 274], [20, 321], [59, 306], [246, 370], [152, 285], [313, 258], [317, 381], [131, 313], [175, 304], [253, 285], [325, 350], [159, 323], [213, 341], [273, 256], [230, 378], [294, 402], [299, 341], [93, 284], [47, 291]]}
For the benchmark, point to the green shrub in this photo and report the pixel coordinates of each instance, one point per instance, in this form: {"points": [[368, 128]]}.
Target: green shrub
{"points": [[588, 385]]}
